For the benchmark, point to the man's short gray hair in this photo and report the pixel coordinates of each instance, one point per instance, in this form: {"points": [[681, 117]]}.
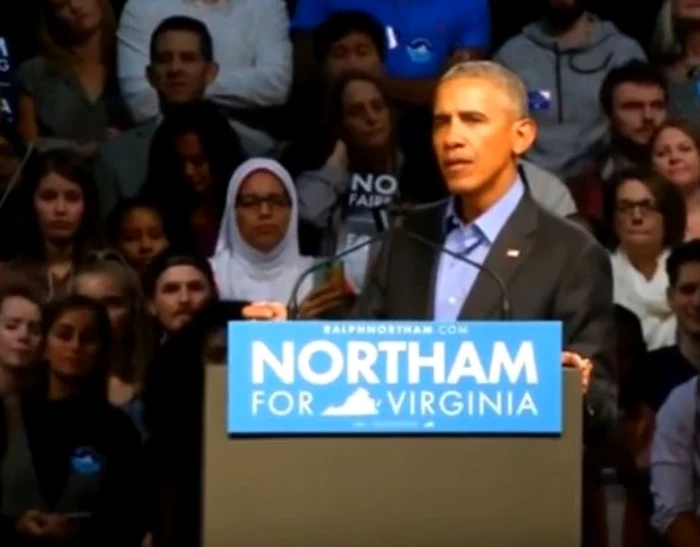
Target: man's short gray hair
{"points": [[507, 80]]}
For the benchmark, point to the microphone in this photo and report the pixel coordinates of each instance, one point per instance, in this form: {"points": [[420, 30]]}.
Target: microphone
{"points": [[506, 311], [18, 172], [399, 209]]}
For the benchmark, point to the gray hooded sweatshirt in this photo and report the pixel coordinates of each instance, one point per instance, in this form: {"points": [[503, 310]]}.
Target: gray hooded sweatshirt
{"points": [[563, 85]]}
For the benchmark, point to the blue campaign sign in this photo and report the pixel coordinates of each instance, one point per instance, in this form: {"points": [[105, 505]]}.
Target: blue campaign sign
{"points": [[377, 377]]}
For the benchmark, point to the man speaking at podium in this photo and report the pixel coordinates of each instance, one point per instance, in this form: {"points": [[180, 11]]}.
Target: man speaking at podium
{"points": [[552, 269]]}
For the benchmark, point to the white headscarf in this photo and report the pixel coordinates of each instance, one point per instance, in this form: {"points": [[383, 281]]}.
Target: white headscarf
{"points": [[244, 273]]}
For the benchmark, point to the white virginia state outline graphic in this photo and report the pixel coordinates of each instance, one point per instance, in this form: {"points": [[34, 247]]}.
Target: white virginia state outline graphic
{"points": [[359, 403]]}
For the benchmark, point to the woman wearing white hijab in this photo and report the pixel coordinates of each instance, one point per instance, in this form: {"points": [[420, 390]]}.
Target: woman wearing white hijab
{"points": [[257, 254]]}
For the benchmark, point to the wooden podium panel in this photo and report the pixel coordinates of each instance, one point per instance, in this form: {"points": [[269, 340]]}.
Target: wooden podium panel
{"points": [[391, 492]]}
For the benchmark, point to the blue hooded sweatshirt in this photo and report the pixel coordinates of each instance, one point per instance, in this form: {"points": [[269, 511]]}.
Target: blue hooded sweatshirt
{"points": [[563, 84]]}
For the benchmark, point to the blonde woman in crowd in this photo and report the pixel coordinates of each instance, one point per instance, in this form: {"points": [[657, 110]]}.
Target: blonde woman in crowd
{"points": [[107, 278], [676, 157], [69, 93]]}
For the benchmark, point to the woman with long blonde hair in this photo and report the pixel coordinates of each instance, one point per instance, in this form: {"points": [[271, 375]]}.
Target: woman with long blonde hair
{"points": [[107, 278], [69, 91]]}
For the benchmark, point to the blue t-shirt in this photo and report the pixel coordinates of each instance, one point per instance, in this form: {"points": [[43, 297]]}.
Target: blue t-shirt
{"points": [[420, 34]]}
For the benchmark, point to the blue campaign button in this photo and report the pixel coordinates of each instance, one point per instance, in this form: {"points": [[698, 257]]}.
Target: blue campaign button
{"points": [[85, 461]]}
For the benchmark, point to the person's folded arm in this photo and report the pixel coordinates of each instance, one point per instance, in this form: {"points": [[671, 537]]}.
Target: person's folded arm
{"points": [[268, 81], [672, 470], [319, 193], [133, 43], [584, 304]]}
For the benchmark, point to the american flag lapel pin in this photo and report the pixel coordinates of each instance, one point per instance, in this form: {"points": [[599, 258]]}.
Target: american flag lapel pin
{"points": [[513, 253]]}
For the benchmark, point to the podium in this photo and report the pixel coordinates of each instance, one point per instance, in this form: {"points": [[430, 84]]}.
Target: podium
{"points": [[396, 491]]}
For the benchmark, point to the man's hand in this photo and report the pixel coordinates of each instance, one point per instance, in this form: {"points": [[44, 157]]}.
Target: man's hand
{"points": [[32, 524], [265, 311], [59, 528], [573, 360]]}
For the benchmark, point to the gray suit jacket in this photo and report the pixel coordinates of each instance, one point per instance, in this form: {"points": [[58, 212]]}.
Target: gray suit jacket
{"points": [[121, 165], [558, 273]]}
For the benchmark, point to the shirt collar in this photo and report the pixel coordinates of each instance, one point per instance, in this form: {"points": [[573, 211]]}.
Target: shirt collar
{"points": [[491, 222]]}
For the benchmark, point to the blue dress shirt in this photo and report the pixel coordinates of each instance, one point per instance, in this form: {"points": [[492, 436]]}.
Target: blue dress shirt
{"points": [[675, 461], [455, 278]]}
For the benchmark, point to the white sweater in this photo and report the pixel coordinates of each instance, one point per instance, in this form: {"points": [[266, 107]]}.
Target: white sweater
{"points": [[646, 298], [251, 46]]}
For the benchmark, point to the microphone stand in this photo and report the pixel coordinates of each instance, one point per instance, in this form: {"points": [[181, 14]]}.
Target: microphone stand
{"points": [[293, 304], [398, 228]]}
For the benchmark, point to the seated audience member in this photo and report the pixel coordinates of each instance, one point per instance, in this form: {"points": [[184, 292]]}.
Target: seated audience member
{"points": [[633, 99], [668, 367], [361, 173], [676, 157], [181, 67], [12, 153], [563, 60], [193, 154], [72, 468], [175, 405], [646, 218], [138, 230], [258, 254], [675, 467], [674, 47], [107, 279], [20, 338], [177, 285], [347, 42], [253, 51], [69, 92], [422, 39], [58, 205], [636, 430]]}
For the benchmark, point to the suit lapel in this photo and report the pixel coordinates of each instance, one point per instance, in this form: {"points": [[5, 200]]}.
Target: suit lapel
{"points": [[509, 251]]}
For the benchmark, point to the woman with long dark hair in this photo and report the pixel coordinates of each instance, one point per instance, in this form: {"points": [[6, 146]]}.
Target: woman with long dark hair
{"points": [[193, 155], [59, 224], [360, 174], [71, 466]]}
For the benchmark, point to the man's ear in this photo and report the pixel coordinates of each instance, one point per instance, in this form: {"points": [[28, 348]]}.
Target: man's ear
{"points": [[524, 135], [212, 72]]}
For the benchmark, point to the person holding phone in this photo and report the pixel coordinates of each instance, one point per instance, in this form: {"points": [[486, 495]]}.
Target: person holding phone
{"points": [[71, 464], [257, 252]]}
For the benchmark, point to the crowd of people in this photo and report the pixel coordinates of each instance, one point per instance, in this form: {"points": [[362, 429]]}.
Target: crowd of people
{"points": [[163, 163]]}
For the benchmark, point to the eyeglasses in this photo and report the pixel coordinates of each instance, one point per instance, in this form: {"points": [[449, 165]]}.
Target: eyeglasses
{"points": [[645, 207], [273, 201]]}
